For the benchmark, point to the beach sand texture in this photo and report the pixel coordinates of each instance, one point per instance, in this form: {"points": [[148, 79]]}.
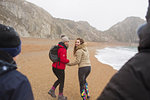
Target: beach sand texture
{"points": [[35, 64]]}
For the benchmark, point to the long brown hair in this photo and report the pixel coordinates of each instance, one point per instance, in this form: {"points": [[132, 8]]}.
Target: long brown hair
{"points": [[81, 42]]}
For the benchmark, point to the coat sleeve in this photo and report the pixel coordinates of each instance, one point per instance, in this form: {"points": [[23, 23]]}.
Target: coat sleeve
{"points": [[63, 56], [77, 60]]}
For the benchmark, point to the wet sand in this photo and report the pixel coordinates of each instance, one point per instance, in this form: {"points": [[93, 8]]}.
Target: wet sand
{"points": [[35, 64]]}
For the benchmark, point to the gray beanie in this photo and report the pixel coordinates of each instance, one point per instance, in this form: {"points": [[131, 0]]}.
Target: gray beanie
{"points": [[64, 38]]}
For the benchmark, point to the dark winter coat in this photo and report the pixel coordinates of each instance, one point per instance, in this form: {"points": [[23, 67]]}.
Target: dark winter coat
{"points": [[132, 81], [62, 54], [13, 84]]}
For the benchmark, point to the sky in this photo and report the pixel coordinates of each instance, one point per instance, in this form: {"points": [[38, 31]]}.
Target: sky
{"points": [[101, 14]]}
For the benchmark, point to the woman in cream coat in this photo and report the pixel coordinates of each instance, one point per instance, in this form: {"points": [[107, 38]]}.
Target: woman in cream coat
{"points": [[83, 61]]}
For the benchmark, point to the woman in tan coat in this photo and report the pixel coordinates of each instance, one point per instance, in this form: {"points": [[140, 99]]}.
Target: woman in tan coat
{"points": [[82, 60]]}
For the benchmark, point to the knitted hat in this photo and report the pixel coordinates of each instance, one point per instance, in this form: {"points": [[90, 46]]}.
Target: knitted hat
{"points": [[9, 40], [64, 38]]}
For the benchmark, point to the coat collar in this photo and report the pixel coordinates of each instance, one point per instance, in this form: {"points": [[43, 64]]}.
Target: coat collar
{"points": [[82, 46], [6, 63], [61, 44]]}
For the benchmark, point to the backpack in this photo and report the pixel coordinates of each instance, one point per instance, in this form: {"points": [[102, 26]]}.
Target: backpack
{"points": [[53, 53]]}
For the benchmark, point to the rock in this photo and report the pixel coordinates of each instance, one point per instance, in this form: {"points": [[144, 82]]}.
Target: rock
{"points": [[125, 31], [30, 20]]}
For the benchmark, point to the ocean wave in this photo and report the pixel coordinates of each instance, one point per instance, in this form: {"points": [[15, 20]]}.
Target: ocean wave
{"points": [[115, 57]]}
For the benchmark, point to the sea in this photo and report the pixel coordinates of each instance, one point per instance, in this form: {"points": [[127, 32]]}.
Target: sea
{"points": [[116, 57]]}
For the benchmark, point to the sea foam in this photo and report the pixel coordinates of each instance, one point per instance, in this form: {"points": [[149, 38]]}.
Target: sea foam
{"points": [[115, 57]]}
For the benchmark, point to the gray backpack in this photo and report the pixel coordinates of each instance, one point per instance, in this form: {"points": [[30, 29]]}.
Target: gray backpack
{"points": [[53, 53]]}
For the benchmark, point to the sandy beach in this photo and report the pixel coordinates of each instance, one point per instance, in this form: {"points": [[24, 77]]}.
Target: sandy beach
{"points": [[35, 64]]}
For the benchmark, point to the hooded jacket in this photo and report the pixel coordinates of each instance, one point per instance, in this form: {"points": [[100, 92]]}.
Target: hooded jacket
{"points": [[82, 57], [132, 81], [62, 54], [13, 84]]}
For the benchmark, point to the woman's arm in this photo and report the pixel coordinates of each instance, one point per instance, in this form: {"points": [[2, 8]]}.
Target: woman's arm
{"points": [[77, 60]]}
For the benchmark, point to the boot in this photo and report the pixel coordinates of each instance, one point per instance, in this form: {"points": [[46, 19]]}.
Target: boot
{"points": [[52, 93], [61, 97], [83, 94], [87, 90]]}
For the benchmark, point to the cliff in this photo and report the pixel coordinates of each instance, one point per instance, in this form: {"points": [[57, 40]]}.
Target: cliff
{"points": [[30, 20]]}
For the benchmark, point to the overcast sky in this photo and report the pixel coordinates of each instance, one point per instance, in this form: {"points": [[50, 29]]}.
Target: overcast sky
{"points": [[101, 14]]}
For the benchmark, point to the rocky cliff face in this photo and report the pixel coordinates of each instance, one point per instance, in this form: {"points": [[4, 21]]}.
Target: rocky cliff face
{"points": [[32, 21], [125, 31], [78, 29], [26, 18]]}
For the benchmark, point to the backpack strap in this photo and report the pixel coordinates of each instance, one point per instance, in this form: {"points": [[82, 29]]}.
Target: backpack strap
{"points": [[58, 57]]}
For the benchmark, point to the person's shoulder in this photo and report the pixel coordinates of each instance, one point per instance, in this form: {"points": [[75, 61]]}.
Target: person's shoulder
{"points": [[13, 78], [135, 62], [79, 51], [18, 74], [62, 49]]}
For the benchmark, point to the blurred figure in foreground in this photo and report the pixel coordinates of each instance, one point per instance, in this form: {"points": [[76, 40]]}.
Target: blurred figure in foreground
{"points": [[13, 84], [132, 81]]}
